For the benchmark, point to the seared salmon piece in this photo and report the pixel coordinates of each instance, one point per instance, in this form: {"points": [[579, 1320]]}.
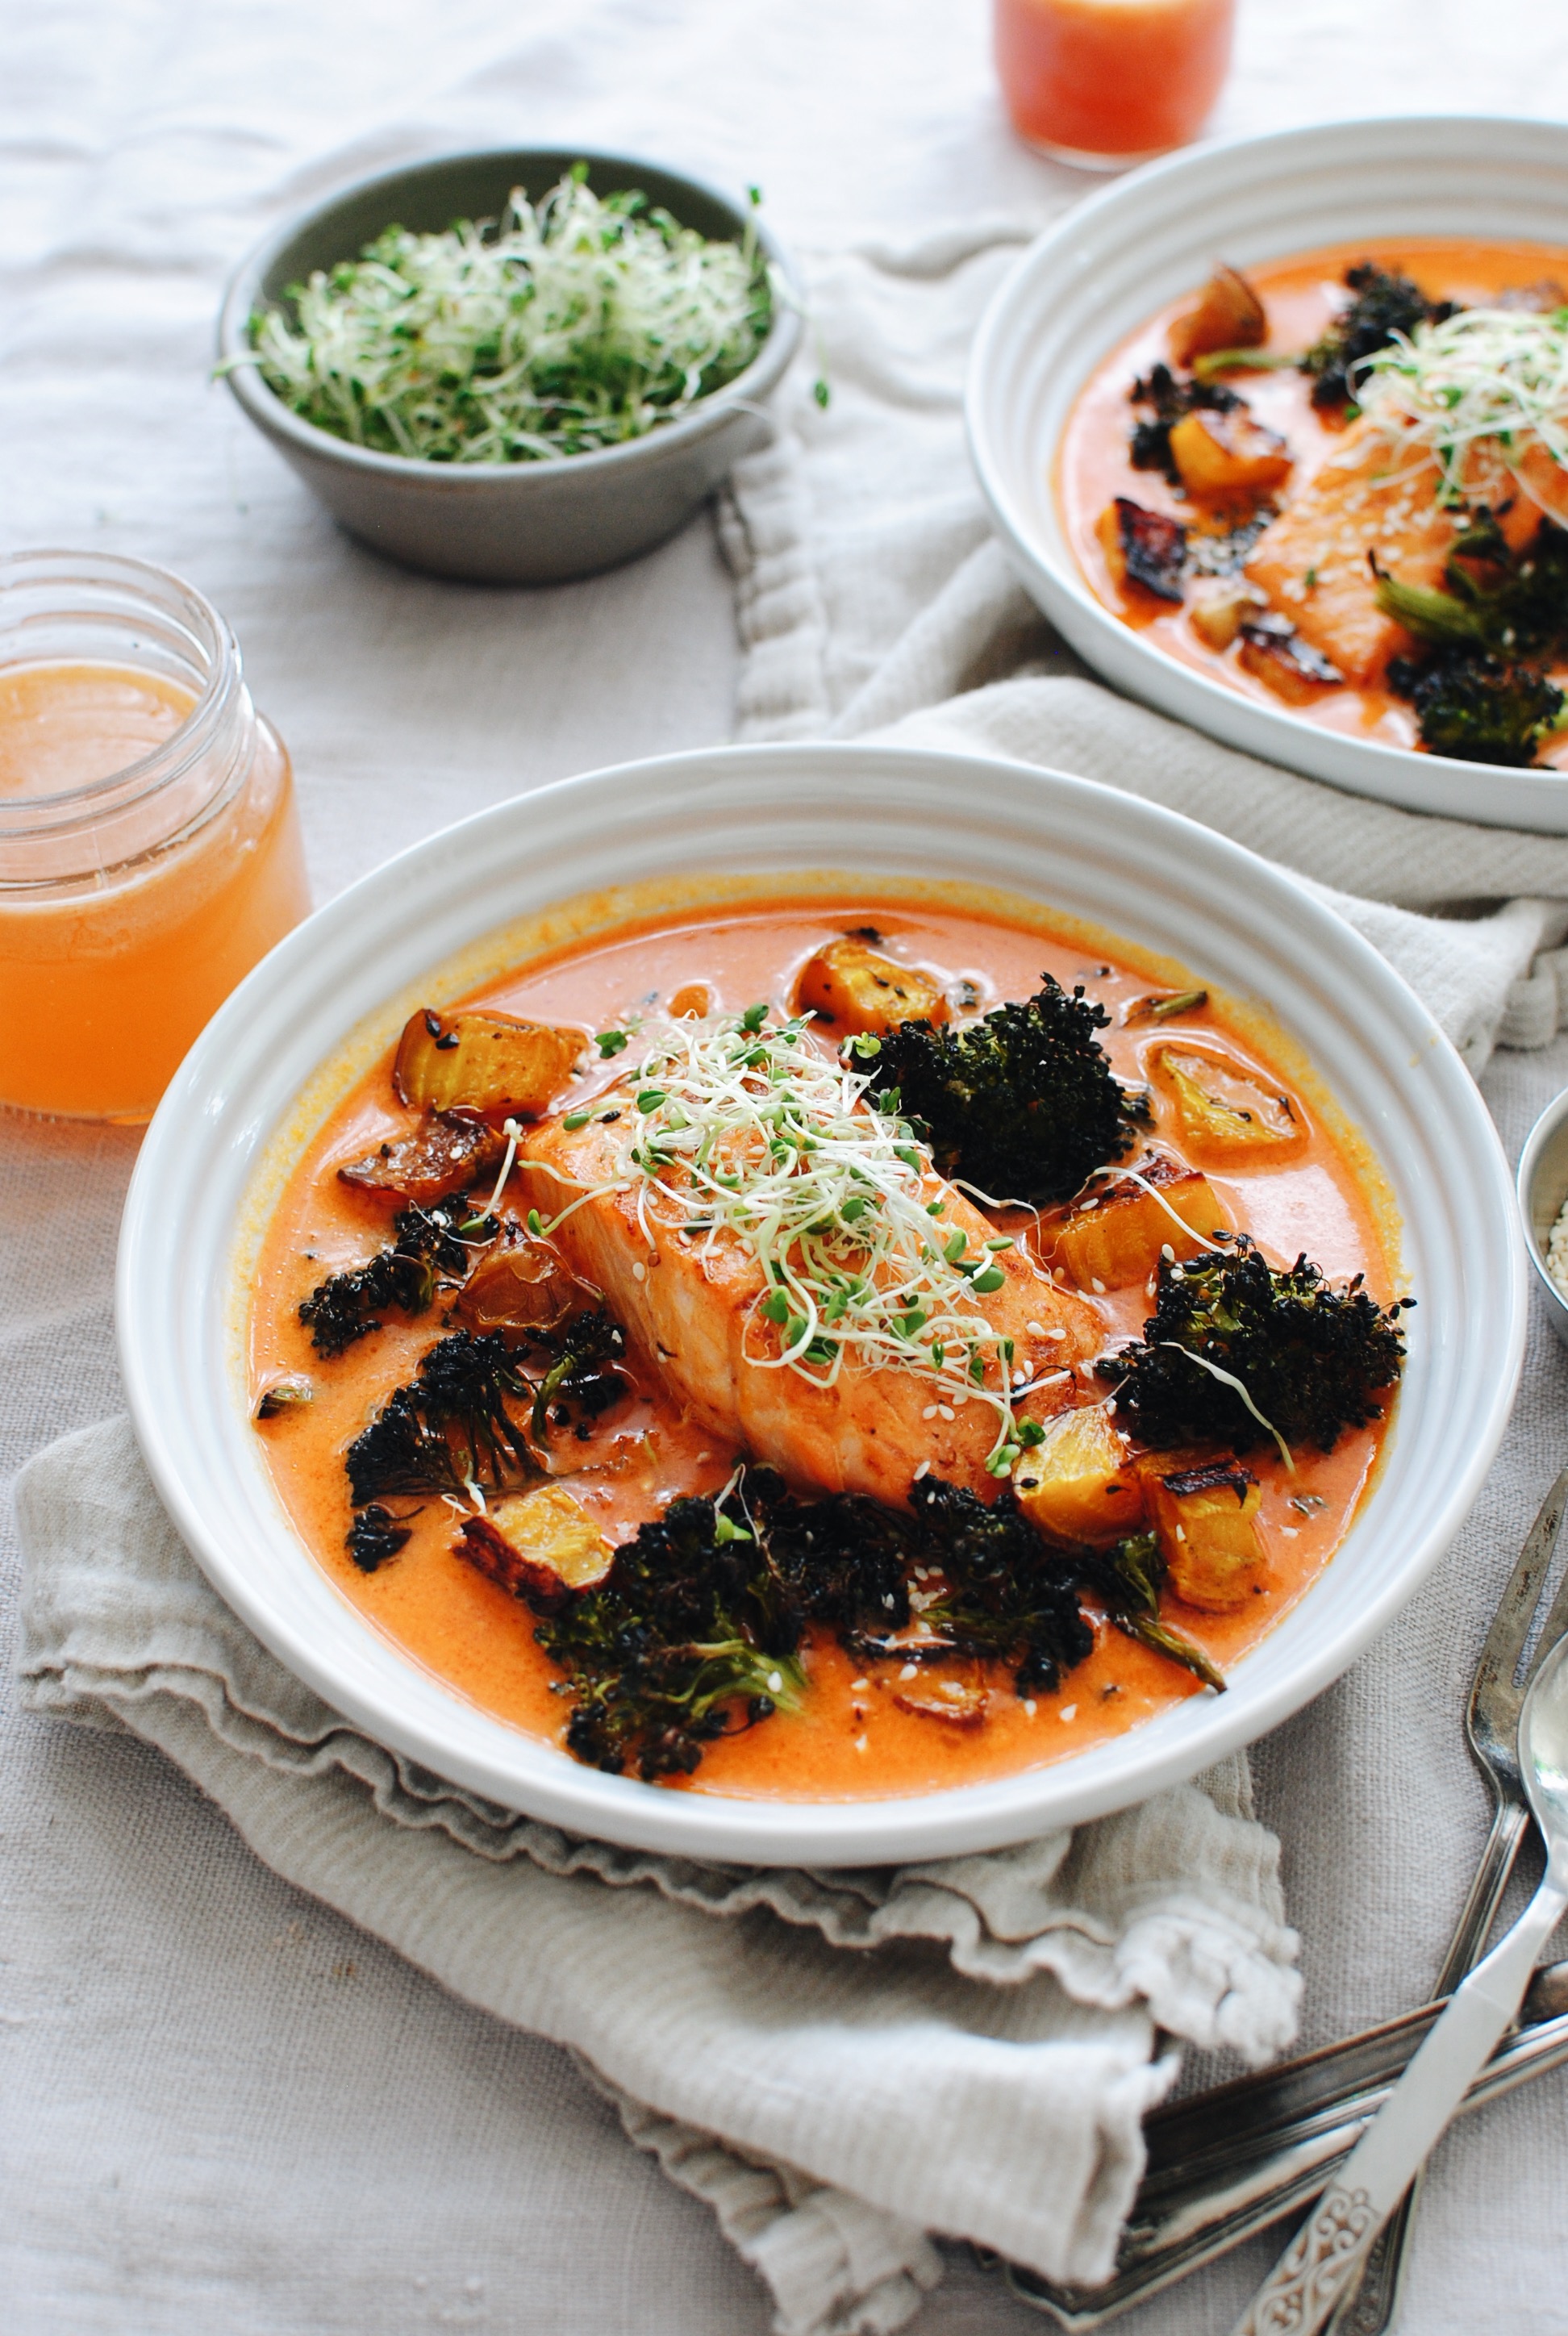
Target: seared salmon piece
{"points": [[1312, 560], [692, 1317]]}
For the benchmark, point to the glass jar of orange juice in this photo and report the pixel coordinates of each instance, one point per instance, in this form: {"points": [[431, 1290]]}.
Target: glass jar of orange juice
{"points": [[150, 848], [1106, 84]]}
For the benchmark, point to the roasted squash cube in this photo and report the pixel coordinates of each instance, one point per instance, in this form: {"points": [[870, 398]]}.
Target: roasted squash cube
{"points": [[1218, 615], [1274, 653], [540, 1545], [1122, 1240], [1078, 1484], [483, 1062], [1228, 315], [853, 987], [442, 1157], [1228, 454], [1144, 547], [1205, 1512], [1222, 1110]]}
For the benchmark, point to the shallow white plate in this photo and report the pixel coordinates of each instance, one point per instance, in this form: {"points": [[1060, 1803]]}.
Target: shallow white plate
{"points": [[339, 987], [1106, 267]]}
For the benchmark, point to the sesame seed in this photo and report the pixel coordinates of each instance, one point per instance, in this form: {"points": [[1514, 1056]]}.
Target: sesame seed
{"points": [[929, 1412], [923, 1470], [1068, 1711], [910, 1670], [857, 1687], [1056, 1334], [639, 1270], [1096, 1285], [860, 1743], [1020, 1378], [1030, 1706], [775, 1682], [1290, 1532], [1039, 1330], [946, 1410], [1167, 1253]]}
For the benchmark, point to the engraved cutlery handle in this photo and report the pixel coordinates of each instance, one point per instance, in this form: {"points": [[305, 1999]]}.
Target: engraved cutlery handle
{"points": [[1327, 2254]]}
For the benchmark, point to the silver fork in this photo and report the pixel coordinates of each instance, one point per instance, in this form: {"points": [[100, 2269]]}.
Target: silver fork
{"points": [[1253, 2114], [1492, 1723]]}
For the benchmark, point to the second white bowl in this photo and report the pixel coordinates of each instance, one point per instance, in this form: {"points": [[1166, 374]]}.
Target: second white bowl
{"points": [[1109, 265]]}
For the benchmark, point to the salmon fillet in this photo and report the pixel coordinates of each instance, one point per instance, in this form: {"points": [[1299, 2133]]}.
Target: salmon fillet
{"points": [[1312, 561], [691, 1317]]}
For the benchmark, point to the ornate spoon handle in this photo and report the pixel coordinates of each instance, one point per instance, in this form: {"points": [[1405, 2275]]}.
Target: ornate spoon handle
{"points": [[1327, 2254]]}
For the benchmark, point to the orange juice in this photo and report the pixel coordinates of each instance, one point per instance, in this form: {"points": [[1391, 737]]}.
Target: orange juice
{"points": [[150, 850], [1111, 82]]}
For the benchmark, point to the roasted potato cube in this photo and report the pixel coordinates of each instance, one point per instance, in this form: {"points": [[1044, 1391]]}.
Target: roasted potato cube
{"points": [[540, 1545], [1144, 547], [490, 1063], [1121, 1239], [1275, 654], [1219, 615], [1228, 315], [1222, 1111], [523, 1289], [959, 1703], [853, 987], [1205, 1512], [442, 1157], [1228, 454], [1078, 1484]]}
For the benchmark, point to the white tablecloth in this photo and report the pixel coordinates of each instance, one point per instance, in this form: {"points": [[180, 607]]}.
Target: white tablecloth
{"points": [[223, 2108]]}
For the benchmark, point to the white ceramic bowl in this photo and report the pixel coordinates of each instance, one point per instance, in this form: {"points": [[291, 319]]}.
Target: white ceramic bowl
{"points": [[1107, 266], [351, 974]]}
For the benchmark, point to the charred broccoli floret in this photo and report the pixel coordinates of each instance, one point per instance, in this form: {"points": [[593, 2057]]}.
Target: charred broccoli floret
{"points": [[661, 1653], [1022, 1105], [449, 1428], [1510, 603], [376, 1535], [1478, 709], [1011, 1596], [1311, 1359], [584, 1353], [425, 1251], [1384, 304]]}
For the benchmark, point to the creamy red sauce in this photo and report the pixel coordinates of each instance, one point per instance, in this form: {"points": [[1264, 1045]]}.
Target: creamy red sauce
{"points": [[1301, 296], [849, 1739]]}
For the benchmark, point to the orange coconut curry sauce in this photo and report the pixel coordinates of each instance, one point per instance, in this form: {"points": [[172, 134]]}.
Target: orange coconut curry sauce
{"points": [[852, 1736], [1300, 298]]}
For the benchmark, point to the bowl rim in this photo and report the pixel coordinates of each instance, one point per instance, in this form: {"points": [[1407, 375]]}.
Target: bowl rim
{"points": [[1275, 733], [1546, 1125], [209, 1135], [267, 410]]}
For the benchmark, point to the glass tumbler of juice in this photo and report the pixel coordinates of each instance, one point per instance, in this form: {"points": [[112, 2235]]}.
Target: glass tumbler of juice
{"points": [[150, 850], [1105, 83]]}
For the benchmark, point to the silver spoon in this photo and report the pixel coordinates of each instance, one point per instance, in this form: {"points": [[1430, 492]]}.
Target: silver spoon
{"points": [[1327, 2254]]}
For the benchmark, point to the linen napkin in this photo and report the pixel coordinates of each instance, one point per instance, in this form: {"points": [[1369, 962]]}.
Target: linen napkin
{"points": [[839, 2063], [871, 597]]}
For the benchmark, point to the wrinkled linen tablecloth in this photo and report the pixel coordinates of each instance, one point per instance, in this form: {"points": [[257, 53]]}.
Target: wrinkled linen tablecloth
{"points": [[223, 2101]]}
